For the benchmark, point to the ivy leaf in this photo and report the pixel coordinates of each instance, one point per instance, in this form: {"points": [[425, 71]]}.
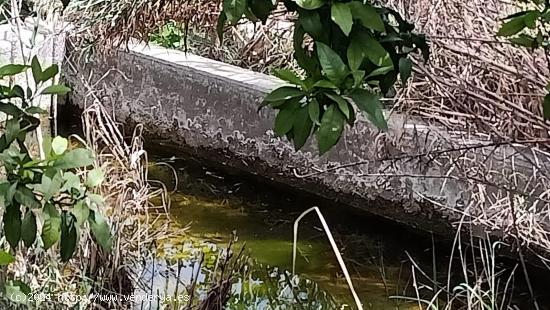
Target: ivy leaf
{"points": [[284, 93], [59, 145], [95, 177], [100, 230], [310, 4], [302, 127], [36, 70], [370, 104], [341, 15], [51, 230], [56, 90], [74, 159], [12, 69], [512, 27], [6, 258], [261, 8], [367, 15], [289, 76], [405, 69], [341, 102], [333, 66], [234, 10], [28, 228], [330, 130], [12, 224], [314, 111], [68, 236]]}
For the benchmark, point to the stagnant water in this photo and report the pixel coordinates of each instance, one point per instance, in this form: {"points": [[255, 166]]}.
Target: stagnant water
{"points": [[214, 208]]}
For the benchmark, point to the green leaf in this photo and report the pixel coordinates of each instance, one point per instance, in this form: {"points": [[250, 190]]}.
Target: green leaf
{"points": [[6, 258], [546, 107], [56, 90], [375, 52], [340, 14], [405, 69], [50, 184], [524, 40], [261, 8], [68, 236], [289, 76], [325, 84], [51, 230], [301, 128], [95, 177], [512, 27], [10, 109], [76, 158], [311, 22], [35, 110], [333, 66], [81, 212], [234, 10], [26, 197], [379, 71], [49, 73], [285, 120], [36, 70], [220, 25], [12, 69], [59, 145], [12, 224], [314, 111], [12, 129], [310, 4], [28, 228], [358, 77], [284, 93], [530, 19], [330, 131], [370, 104], [17, 291], [367, 15], [100, 230], [72, 181], [355, 55], [342, 103]]}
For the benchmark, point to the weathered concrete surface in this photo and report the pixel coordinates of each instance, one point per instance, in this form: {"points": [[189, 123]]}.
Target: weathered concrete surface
{"points": [[210, 109]]}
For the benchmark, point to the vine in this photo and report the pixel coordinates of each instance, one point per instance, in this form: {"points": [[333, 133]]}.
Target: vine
{"points": [[351, 54]]}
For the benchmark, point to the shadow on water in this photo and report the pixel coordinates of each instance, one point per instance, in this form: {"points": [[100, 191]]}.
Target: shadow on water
{"points": [[214, 207]]}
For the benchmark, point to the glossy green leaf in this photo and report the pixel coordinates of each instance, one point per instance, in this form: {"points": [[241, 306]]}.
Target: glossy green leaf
{"points": [[524, 40], [12, 224], [333, 66], [340, 14], [310, 4], [331, 128], [12, 129], [284, 93], [74, 159], [302, 127], [325, 84], [10, 109], [358, 77], [355, 55], [51, 230], [314, 111], [56, 90], [12, 69], [311, 22], [375, 52], [341, 102], [530, 19], [285, 120], [26, 197], [370, 104], [28, 228], [367, 15], [68, 236], [100, 230], [49, 73], [6, 258], [289, 76], [405, 69], [95, 178], [36, 70], [234, 10], [512, 27], [35, 110]]}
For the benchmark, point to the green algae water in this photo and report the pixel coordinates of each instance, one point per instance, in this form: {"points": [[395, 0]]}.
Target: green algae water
{"points": [[213, 208]]}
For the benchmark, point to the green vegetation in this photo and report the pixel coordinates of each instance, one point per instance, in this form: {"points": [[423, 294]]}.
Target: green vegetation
{"points": [[358, 52]]}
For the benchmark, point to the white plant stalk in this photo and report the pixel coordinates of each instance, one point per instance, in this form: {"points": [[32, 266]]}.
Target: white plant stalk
{"points": [[334, 249]]}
